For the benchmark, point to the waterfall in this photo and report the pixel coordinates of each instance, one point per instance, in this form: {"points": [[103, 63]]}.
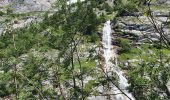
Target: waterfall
{"points": [[106, 41], [73, 1], [110, 66]]}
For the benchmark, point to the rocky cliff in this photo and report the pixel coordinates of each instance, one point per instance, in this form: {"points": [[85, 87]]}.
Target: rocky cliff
{"points": [[23, 6], [22, 12]]}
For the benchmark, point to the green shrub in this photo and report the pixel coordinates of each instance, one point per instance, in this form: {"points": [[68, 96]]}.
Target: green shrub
{"points": [[7, 20], [108, 8], [94, 37], [124, 44], [1, 13], [2, 45], [124, 8], [9, 11], [102, 18]]}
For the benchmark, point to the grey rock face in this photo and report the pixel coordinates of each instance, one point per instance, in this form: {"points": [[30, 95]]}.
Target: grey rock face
{"points": [[163, 1], [160, 13], [4, 2], [1, 30], [32, 5], [24, 6]]}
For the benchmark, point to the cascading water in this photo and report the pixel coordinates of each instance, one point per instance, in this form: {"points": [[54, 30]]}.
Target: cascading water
{"points": [[73, 1], [107, 45], [111, 67]]}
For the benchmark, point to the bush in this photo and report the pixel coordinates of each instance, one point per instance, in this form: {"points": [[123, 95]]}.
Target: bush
{"points": [[9, 11], [94, 37], [2, 45], [124, 44], [126, 8], [102, 18], [108, 8], [1, 13], [7, 20]]}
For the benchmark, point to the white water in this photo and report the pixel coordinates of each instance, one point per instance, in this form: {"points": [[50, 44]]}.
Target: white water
{"points": [[73, 1], [106, 40], [112, 67]]}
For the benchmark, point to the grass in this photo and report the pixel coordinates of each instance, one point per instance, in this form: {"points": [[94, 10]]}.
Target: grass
{"points": [[86, 64], [144, 53]]}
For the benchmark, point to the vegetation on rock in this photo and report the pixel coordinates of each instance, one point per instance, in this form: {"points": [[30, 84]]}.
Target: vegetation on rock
{"points": [[59, 56]]}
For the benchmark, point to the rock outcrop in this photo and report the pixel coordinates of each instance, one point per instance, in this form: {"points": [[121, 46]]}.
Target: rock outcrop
{"points": [[28, 9], [24, 6], [142, 26]]}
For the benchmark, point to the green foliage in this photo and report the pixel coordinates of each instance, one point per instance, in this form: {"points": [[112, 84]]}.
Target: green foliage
{"points": [[102, 18], [147, 73], [1, 13], [88, 87], [8, 20], [42, 56], [128, 7], [47, 60], [33, 74], [124, 44], [5, 88], [145, 81], [94, 37], [9, 11], [108, 8]]}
